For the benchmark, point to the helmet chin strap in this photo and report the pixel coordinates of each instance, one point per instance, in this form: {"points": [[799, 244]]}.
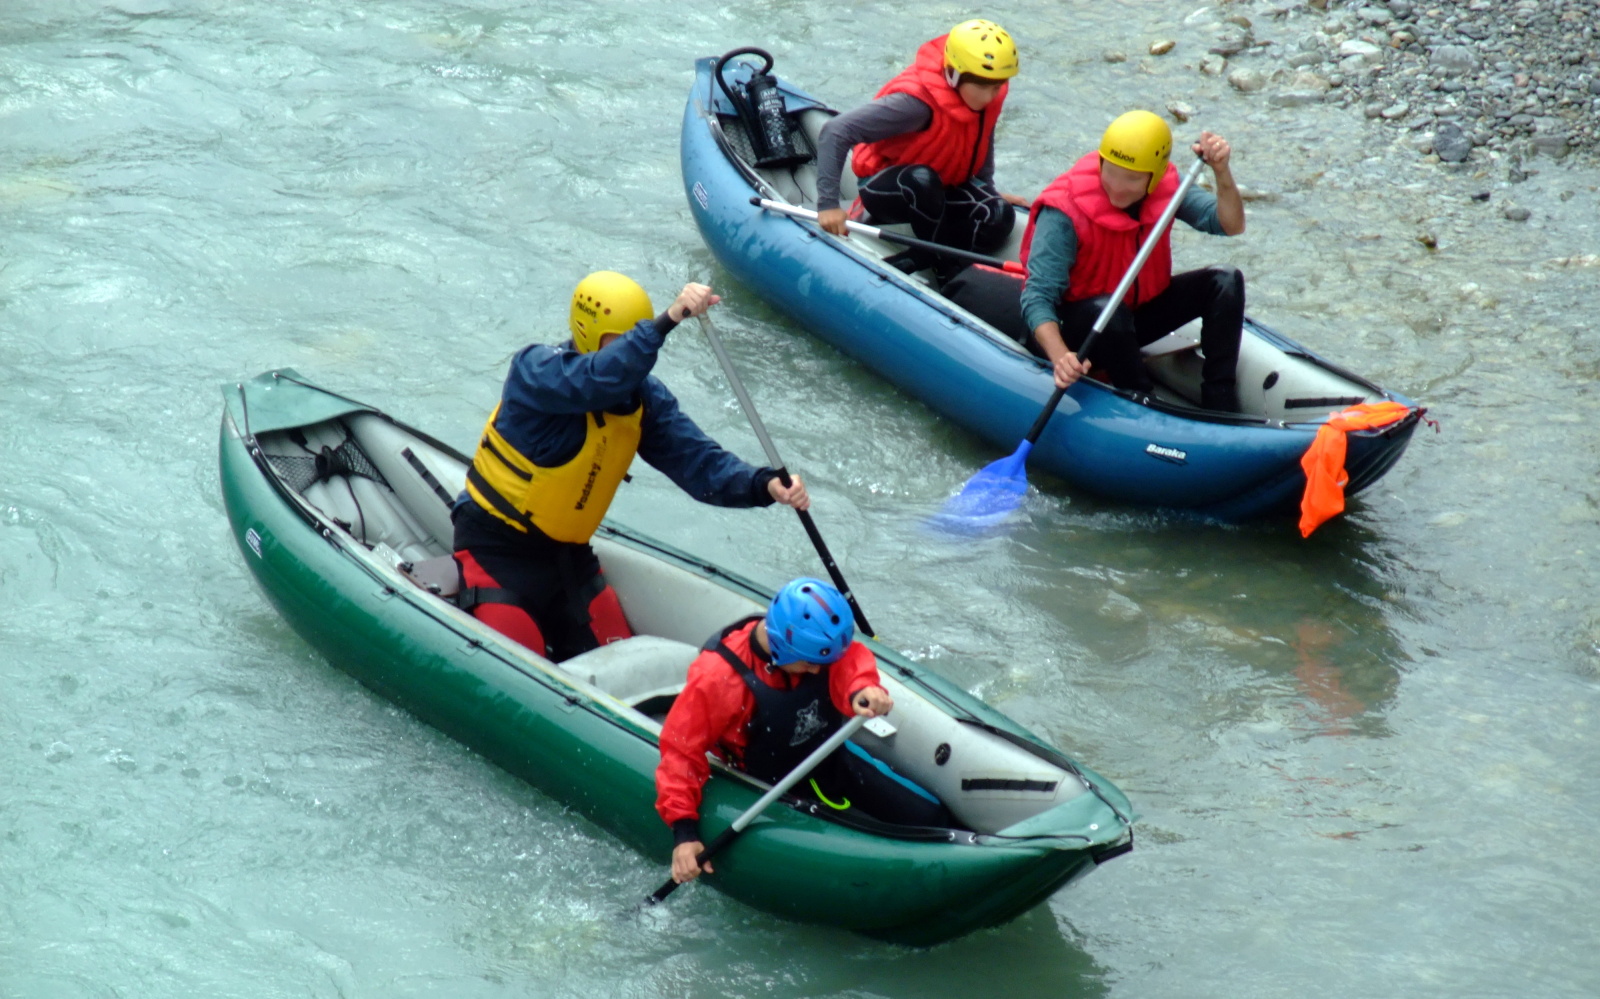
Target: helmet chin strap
{"points": [[952, 76]]}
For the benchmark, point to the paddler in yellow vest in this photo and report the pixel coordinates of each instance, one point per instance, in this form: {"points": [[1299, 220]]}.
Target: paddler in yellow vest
{"points": [[569, 422]]}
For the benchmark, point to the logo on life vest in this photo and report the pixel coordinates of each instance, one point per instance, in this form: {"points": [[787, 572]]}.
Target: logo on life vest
{"points": [[594, 472], [807, 723], [1171, 454], [588, 486]]}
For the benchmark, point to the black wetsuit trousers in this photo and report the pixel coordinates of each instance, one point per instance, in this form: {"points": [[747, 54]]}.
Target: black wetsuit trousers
{"points": [[1214, 295], [968, 216]]}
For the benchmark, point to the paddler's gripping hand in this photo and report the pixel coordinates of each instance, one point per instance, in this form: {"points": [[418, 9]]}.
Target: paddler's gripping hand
{"points": [[684, 869], [1214, 149], [693, 300], [794, 494], [1068, 368], [833, 220], [1064, 364], [872, 702]]}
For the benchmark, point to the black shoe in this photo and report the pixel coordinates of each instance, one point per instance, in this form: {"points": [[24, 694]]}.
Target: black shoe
{"points": [[901, 261], [1220, 396], [906, 261]]}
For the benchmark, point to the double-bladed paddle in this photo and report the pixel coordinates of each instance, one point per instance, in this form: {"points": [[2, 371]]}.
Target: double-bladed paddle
{"points": [[989, 496]]}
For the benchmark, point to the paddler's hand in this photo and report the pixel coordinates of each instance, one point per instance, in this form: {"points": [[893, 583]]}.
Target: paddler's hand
{"points": [[833, 221], [1214, 149], [1017, 201], [1068, 369], [793, 494], [684, 869], [872, 702], [1065, 365], [693, 300]]}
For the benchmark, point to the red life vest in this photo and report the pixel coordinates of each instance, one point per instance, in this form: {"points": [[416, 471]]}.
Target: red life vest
{"points": [[1108, 238], [956, 141]]}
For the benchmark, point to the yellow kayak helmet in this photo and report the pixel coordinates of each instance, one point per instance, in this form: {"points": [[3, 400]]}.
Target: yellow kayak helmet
{"points": [[606, 302], [1139, 140], [981, 48]]}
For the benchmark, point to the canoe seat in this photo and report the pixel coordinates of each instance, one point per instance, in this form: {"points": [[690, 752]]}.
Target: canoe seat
{"points": [[1172, 343], [641, 667], [1174, 361]]}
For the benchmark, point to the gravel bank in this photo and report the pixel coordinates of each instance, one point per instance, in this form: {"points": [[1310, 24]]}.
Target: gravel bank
{"points": [[1518, 78]]}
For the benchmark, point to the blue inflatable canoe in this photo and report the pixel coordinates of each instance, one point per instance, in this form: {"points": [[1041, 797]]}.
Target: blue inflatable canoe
{"points": [[1159, 450]]}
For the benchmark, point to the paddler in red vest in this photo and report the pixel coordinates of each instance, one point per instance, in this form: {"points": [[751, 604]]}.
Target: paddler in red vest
{"points": [[924, 147], [1086, 228], [554, 451]]}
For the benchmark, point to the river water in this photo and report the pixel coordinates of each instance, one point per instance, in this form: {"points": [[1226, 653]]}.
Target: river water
{"points": [[1366, 763]]}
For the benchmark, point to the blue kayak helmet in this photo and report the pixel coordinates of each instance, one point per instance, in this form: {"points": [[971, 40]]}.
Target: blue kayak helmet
{"points": [[809, 621]]}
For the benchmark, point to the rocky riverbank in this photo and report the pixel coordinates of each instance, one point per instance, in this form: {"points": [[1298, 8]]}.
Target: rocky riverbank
{"points": [[1468, 79]]}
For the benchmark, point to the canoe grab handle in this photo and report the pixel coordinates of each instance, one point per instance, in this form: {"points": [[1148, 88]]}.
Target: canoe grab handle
{"points": [[760, 109], [1125, 846], [1008, 784], [1324, 402]]}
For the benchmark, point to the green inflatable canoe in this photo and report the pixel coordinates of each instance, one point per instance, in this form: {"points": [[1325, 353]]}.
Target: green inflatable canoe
{"points": [[342, 514]]}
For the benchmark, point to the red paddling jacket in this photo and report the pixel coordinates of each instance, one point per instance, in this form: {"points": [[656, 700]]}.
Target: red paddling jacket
{"points": [[718, 705]]}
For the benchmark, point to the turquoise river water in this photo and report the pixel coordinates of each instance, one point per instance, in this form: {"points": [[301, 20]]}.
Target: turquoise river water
{"points": [[1365, 763]]}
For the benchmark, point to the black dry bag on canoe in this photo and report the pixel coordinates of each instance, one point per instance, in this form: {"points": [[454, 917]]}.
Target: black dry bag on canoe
{"points": [[760, 110]]}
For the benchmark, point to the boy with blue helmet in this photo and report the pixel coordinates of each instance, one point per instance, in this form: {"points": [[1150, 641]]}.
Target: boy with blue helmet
{"points": [[809, 622], [765, 693]]}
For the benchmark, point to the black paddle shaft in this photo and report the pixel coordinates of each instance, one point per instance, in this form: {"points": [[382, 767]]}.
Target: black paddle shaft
{"points": [[827, 559], [760, 429]]}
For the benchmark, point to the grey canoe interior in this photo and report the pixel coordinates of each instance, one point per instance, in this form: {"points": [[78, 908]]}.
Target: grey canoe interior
{"points": [[388, 491]]}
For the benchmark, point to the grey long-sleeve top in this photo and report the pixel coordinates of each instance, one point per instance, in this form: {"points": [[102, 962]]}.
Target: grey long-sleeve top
{"points": [[884, 118]]}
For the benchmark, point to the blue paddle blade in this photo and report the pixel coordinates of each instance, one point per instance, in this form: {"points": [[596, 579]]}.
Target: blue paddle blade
{"points": [[991, 495]]}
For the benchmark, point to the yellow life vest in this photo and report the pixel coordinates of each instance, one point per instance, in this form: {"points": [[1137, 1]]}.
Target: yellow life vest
{"points": [[565, 502]]}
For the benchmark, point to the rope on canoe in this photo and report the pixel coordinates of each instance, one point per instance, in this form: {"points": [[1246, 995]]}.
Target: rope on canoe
{"points": [[301, 472]]}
